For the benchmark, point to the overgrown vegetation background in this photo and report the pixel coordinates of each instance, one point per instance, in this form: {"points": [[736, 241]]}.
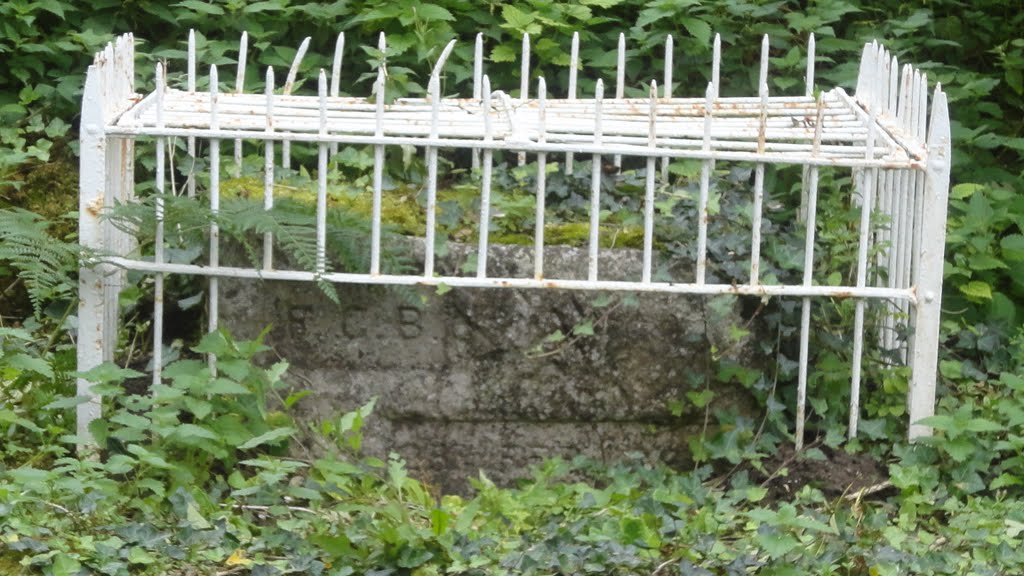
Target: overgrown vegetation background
{"points": [[194, 477]]}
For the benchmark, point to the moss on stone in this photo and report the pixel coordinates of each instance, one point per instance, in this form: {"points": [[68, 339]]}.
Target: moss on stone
{"points": [[50, 190], [401, 210]]}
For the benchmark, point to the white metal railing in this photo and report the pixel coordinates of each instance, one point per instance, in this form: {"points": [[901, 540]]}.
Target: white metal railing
{"points": [[899, 154]]}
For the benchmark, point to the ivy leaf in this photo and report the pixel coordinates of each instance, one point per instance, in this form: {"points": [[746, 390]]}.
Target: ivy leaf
{"points": [[503, 53], [201, 7], [148, 458], [270, 437], [960, 448], [69, 402], [192, 432], [108, 372], [139, 555], [1013, 247], [977, 290], [983, 425], [65, 565], [584, 329], [265, 6], [776, 543], [699, 29], [195, 518], [120, 464], [433, 12], [24, 362], [439, 521], [983, 261], [516, 18], [556, 336], [756, 493], [701, 399], [226, 387], [129, 420], [601, 3], [1004, 480]]}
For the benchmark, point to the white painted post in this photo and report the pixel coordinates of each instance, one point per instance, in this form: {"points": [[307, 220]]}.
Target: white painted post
{"points": [[289, 83], [106, 168], [92, 336], [929, 275]]}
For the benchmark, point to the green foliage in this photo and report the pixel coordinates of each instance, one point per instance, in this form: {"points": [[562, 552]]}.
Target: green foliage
{"points": [[42, 262], [178, 488], [985, 245], [200, 474]]}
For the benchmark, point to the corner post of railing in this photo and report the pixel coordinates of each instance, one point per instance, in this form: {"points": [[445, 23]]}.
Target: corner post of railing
{"points": [[106, 168], [924, 361]]}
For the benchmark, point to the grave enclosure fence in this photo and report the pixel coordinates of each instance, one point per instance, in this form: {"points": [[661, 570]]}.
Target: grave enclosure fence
{"points": [[897, 150]]}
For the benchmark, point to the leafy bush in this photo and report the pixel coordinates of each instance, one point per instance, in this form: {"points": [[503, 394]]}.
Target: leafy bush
{"points": [[210, 474]]}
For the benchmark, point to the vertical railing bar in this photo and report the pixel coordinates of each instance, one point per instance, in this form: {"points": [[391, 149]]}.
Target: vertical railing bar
{"points": [[190, 179], [478, 71], [862, 259], [906, 203], [890, 205], [755, 242], [905, 102], [485, 183], [763, 73], [923, 109], [542, 161], [434, 90], [862, 73], [873, 73], [899, 220], [873, 94], [808, 92], [716, 66], [809, 76], [705, 183], [620, 83], [883, 79], [805, 312], [900, 216], [524, 83], [158, 242], [289, 83], [268, 171], [595, 186], [905, 191], [886, 204], [574, 57], [880, 93], [716, 63], [378, 165], [919, 119], [652, 142], [339, 54], [213, 310], [894, 84], [243, 49], [888, 72], [669, 56], [321, 187]]}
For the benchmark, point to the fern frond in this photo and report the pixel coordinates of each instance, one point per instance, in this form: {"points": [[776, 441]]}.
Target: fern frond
{"points": [[45, 264], [244, 222]]}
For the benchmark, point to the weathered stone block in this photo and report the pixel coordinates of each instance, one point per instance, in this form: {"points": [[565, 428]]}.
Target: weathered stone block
{"points": [[458, 388]]}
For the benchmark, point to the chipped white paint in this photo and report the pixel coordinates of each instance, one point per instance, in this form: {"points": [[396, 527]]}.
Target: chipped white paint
{"points": [[900, 159]]}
